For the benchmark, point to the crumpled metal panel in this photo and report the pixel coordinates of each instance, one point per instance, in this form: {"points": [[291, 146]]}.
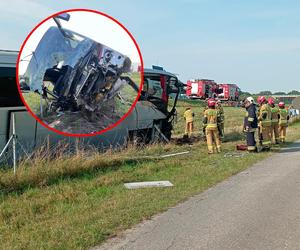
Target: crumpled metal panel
{"points": [[54, 47]]}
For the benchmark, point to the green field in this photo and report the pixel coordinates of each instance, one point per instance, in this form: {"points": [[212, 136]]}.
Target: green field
{"points": [[233, 121], [33, 100], [77, 202]]}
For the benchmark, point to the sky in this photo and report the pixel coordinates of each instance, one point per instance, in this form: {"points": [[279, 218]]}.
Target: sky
{"points": [[255, 44]]}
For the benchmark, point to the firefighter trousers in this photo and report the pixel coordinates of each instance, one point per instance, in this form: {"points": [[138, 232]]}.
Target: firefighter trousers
{"points": [[221, 129], [189, 127], [265, 137], [213, 140], [251, 143], [282, 131], [275, 132]]}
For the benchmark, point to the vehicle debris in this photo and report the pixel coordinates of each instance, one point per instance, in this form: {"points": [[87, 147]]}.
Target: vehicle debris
{"points": [[148, 184], [174, 154], [73, 72]]}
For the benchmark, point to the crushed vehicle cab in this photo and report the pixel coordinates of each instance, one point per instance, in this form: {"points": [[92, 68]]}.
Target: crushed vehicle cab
{"points": [[155, 111]]}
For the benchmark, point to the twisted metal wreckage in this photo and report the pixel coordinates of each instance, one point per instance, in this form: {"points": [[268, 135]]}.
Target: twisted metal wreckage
{"points": [[82, 73]]}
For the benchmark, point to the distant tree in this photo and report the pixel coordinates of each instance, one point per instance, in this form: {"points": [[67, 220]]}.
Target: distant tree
{"points": [[243, 95], [246, 93], [280, 93], [266, 92], [294, 92]]}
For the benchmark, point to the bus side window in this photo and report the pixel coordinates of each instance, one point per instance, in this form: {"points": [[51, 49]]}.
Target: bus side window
{"points": [[9, 94]]}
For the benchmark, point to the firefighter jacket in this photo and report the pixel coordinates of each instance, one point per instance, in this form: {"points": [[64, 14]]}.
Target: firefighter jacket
{"points": [[250, 120], [211, 119], [189, 115], [283, 117], [205, 108], [265, 116], [275, 115], [221, 112]]}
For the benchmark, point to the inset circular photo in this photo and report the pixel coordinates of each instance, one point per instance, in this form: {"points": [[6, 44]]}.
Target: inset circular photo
{"points": [[80, 72]]}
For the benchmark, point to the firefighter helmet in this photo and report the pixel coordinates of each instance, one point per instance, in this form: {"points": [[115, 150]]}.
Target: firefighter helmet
{"points": [[211, 103], [271, 101], [261, 99], [281, 105], [250, 99]]}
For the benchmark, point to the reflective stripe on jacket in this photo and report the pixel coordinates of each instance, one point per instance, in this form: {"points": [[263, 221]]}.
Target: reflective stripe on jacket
{"points": [[275, 113], [265, 115], [283, 116], [250, 119], [211, 116]]}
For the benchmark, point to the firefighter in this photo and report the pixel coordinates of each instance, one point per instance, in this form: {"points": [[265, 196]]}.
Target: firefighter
{"points": [[203, 128], [189, 121], [222, 119], [264, 118], [211, 119], [283, 121], [274, 131], [250, 123]]}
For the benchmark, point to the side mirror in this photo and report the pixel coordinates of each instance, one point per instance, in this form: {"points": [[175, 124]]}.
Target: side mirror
{"points": [[63, 16]]}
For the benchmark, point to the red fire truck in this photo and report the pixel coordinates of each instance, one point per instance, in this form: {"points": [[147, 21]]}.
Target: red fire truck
{"points": [[228, 92], [204, 88], [201, 88]]}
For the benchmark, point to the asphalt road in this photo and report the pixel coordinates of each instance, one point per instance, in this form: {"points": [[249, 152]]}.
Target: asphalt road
{"points": [[256, 209]]}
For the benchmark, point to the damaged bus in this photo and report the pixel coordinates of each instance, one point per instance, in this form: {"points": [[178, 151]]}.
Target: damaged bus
{"points": [[150, 120]]}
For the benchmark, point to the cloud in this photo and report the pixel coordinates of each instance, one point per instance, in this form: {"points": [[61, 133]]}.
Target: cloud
{"points": [[28, 9]]}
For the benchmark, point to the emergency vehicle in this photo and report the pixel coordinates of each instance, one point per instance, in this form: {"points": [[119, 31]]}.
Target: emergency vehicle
{"points": [[204, 88], [201, 88], [228, 92]]}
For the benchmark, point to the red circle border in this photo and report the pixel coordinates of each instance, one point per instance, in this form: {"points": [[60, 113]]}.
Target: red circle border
{"points": [[133, 104]]}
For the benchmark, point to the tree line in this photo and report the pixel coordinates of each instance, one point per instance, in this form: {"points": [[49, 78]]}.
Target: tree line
{"points": [[293, 92], [268, 93]]}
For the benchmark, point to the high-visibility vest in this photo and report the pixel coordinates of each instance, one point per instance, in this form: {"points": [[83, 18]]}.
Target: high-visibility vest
{"points": [[188, 115], [283, 116], [212, 119], [265, 110], [275, 112]]}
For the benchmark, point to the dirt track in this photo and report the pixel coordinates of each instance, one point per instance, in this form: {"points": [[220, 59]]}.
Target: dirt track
{"points": [[81, 123]]}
